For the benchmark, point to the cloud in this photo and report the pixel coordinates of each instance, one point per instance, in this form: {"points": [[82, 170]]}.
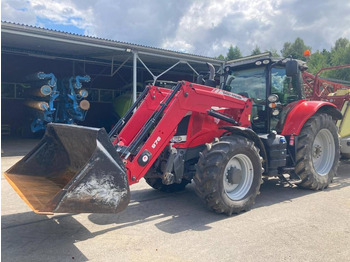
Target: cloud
{"points": [[204, 27], [227, 22], [64, 12], [17, 11], [141, 22]]}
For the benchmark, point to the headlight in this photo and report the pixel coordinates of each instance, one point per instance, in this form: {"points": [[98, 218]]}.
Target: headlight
{"points": [[273, 98], [275, 112]]}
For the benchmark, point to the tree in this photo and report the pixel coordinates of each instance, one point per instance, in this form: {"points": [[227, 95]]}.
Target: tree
{"points": [[318, 60], [233, 53], [256, 51], [340, 52], [327, 56], [221, 57], [296, 49], [273, 52], [341, 43], [286, 49], [340, 55]]}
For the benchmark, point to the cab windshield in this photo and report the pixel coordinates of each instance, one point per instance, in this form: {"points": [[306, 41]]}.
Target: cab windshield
{"points": [[251, 83]]}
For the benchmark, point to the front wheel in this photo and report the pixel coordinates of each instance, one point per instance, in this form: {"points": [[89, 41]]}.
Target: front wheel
{"points": [[228, 175], [318, 152]]}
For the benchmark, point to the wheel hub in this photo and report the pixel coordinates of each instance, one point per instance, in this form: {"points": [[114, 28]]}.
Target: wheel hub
{"points": [[238, 176], [317, 151], [323, 152], [234, 175]]}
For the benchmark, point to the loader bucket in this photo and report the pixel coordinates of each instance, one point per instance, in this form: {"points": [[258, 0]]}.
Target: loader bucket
{"points": [[73, 169]]}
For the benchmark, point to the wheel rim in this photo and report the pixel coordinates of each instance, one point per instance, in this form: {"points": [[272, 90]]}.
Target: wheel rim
{"points": [[238, 177], [323, 152]]}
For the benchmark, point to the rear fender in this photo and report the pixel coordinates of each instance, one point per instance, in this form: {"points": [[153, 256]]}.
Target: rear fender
{"points": [[303, 110]]}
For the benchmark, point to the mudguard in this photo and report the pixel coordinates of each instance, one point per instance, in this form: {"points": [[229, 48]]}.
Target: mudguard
{"points": [[301, 111]]}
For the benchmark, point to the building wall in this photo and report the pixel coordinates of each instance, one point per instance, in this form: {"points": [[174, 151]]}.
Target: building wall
{"points": [[17, 71]]}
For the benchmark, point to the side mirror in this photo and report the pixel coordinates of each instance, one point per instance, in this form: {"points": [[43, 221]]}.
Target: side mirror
{"points": [[292, 68]]}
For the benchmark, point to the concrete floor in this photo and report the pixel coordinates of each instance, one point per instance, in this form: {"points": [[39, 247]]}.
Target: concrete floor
{"points": [[286, 224]]}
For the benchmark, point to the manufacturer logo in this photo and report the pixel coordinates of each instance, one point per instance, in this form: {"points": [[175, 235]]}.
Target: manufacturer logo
{"points": [[145, 158], [222, 92]]}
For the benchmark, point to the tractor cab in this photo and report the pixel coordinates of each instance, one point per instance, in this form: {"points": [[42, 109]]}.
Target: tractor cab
{"points": [[271, 83]]}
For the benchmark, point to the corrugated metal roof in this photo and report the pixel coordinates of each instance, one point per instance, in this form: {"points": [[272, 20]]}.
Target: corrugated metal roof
{"points": [[39, 31]]}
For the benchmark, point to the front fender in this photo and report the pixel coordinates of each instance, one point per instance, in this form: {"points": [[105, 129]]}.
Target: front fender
{"points": [[251, 135], [303, 110]]}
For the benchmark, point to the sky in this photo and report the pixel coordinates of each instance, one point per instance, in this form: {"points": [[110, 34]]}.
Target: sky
{"points": [[201, 27]]}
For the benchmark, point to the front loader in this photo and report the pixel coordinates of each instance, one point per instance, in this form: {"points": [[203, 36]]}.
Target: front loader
{"points": [[224, 139]]}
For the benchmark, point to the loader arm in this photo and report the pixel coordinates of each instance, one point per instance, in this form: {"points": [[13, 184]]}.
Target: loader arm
{"points": [[147, 107], [157, 122]]}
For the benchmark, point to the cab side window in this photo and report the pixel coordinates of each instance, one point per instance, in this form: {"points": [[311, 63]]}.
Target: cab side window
{"points": [[283, 86]]}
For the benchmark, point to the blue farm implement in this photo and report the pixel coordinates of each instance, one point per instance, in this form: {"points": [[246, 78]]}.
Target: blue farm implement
{"points": [[58, 101]]}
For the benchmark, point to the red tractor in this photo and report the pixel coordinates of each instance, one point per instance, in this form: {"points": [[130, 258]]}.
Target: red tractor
{"points": [[225, 138]]}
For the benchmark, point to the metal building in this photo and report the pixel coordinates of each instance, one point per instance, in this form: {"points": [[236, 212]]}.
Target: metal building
{"points": [[115, 68]]}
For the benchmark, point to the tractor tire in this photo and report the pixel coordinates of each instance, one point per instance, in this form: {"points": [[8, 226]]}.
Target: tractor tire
{"points": [[318, 152], [156, 183], [228, 176]]}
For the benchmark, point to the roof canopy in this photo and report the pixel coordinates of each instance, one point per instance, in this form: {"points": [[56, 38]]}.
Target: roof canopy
{"points": [[39, 42]]}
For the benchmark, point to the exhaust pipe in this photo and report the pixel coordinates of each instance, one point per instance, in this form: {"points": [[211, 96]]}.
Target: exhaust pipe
{"points": [[211, 82], [211, 71]]}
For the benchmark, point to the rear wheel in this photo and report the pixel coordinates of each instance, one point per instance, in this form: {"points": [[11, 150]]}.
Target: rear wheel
{"points": [[228, 175], [317, 152]]}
